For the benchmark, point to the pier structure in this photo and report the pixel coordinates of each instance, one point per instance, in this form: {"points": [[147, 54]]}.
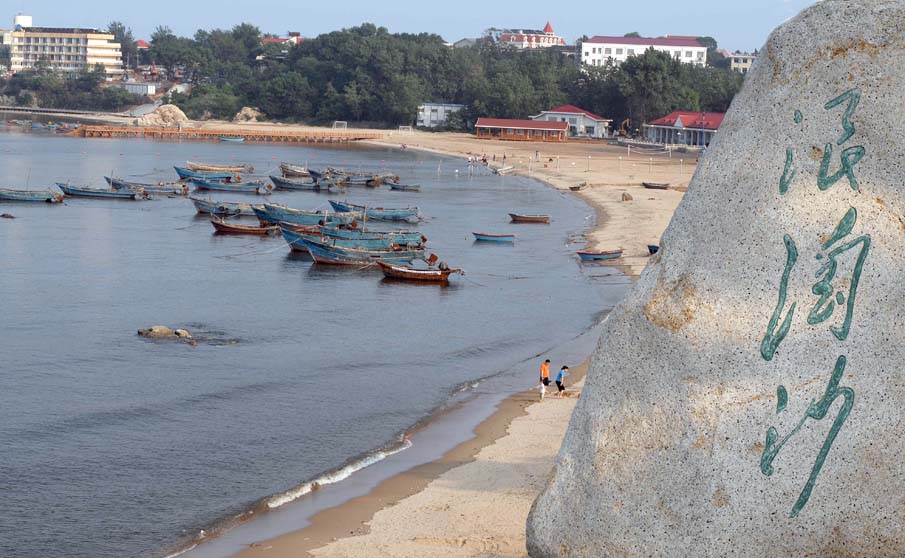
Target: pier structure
{"points": [[251, 135]]}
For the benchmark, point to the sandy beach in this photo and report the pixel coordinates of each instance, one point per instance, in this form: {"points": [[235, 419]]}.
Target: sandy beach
{"points": [[475, 500]]}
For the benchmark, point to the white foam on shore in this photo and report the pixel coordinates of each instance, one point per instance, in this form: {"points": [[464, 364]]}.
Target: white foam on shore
{"points": [[180, 552], [336, 476]]}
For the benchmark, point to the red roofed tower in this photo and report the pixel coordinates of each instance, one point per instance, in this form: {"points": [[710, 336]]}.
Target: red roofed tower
{"points": [[548, 29]]}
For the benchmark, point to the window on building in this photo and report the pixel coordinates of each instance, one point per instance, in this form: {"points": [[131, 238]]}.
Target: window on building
{"points": [[618, 51], [631, 52], [688, 54], [608, 51]]}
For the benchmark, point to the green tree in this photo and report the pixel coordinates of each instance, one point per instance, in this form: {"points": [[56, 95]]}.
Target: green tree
{"points": [[123, 36], [655, 84]]}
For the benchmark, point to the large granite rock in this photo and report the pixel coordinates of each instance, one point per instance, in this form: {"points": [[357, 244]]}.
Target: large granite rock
{"points": [[748, 397]]}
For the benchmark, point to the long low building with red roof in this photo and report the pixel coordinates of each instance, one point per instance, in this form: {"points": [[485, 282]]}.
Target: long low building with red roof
{"points": [[581, 122], [521, 130], [684, 128]]}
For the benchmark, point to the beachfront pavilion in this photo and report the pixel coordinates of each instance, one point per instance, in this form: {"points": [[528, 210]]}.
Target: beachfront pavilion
{"points": [[521, 130], [694, 129]]}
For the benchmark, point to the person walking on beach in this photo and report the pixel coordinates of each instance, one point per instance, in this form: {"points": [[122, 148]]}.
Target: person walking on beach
{"points": [[560, 378], [544, 378]]}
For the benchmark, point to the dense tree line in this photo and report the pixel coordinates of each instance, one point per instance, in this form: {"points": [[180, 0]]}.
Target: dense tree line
{"points": [[367, 74], [48, 89]]}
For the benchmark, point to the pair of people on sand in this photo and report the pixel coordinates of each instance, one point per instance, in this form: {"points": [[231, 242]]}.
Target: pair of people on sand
{"points": [[545, 379]]}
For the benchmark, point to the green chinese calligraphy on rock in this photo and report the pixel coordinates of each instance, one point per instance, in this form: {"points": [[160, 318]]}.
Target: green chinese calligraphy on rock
{"points": [[817, 411], [798, 117], [782, 399], [849, 158], [826, 305], [775, 336], [788, 173], [853, 96]]}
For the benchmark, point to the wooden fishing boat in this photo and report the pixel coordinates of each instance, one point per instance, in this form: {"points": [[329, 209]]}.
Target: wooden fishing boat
{"points": [[213, 167], [45, 196], [523, 218], [178, 188], [83, 192], [222, 176], [371, 179], [296, 235], [224, 227], [207, 206], [325, 253], [233, 139], [409, 273], [379, 213], [656, 185], [274, 213], [283, 183], [403, 187], [486, 237], [652, 249], [291, 170], [600, 255], [578, 188], [402, 238], [256, 187]]}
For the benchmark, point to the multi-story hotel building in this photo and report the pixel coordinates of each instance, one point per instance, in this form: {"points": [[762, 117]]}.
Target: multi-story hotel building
{"points": [[741, 61], [67, 50], [600, 51]]}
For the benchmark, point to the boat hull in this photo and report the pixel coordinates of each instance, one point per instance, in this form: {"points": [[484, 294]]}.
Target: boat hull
{"points": [[243, 187], [294, 171], [401, 238], [223, 227], [598, 256], [77, 192], [274, 214], [378, 213], [282, 183], [204, 206], [484, 237], [406, 273], [655, 186], [323, 253], [231, 139], [186, 174], [520, 218], [208, 167], [159, 188], [42, 196]]}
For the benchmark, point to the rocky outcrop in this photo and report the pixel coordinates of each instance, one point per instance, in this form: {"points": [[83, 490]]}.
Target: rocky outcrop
{"points": [[164, 332], [746, 399], [248, 114], [166, 116]]}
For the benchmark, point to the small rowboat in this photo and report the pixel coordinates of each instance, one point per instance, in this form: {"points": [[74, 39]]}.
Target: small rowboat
{"points": [[223, 227], [655, 185], [211, 167], [46, 196], [233, 139], [283, 183], [186, 173], [275, 213], [653, 249], [486, 237], [599, 255], [325, 253], [379, 213], [159, 188], [576, 188], [522, 218], [408, 273], [81, 192], [403, 187], [290, 170], [256, 187], [204, 206]]}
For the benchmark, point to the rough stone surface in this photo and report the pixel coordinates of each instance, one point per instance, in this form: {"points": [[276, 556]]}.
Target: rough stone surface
{"points": [[668, 453], [168, 116], [157, 331], [248, 114], [626, 197]]}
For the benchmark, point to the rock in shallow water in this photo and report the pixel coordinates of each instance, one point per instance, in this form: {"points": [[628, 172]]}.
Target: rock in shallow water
{"points": [[747, 398]]}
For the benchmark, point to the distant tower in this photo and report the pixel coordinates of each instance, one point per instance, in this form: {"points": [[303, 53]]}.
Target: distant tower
{"points": [[22, 20], [548, 29]]}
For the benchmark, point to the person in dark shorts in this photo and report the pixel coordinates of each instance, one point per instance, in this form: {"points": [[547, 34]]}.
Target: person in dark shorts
{"points": [[544, 378], [560, 378]]}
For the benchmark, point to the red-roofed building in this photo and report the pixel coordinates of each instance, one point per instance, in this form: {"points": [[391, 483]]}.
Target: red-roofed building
{"points": [[521, 130], [293, 39], [684, 128], [600, 50], [142, 44], [529, 38], [581, 122]]}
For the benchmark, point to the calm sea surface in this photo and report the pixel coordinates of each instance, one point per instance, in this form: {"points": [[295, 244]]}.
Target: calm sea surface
{"points": [[114, 446]]}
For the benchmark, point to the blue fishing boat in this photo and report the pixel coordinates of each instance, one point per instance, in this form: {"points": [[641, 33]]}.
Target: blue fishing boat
{"points": [[45, 196], [402, 238], [296, 235], [186, 174], [291, 170], [282, 183], [273, 213], [207, 206], [599, 255], [83, 192], [256, 187], [404, 187], [324, 253], [158, 188], [233, 139], [487, 237], [380, 213]]}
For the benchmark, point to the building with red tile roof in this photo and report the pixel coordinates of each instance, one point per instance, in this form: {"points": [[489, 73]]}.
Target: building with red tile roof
{"points": [[521, 130], [684, 128], [142, 44], [530, 38], [603, 50], [581, 122]]}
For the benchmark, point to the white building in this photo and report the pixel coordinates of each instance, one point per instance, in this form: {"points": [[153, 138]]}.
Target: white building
{"points": [[581, 122], [528, 38], [65, 49], [684, 128], [741, 62], [600, 50], [433, 115], [148, 89]]}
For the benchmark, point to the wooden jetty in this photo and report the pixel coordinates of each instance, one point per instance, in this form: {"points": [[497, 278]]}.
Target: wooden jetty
{"points": [[212, 134]]}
